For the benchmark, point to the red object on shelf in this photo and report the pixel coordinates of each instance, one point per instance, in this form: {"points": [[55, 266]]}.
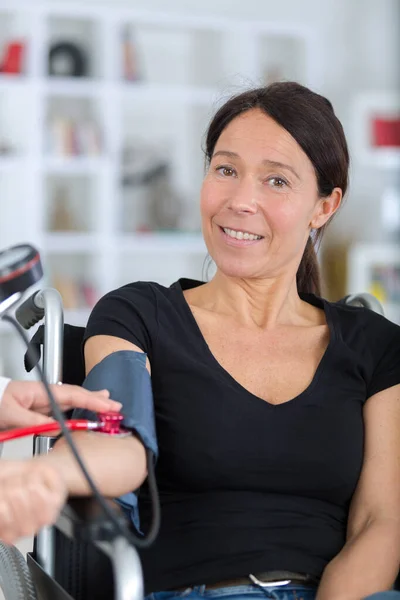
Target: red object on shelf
{"points": [[12, 62], [386, 132]]}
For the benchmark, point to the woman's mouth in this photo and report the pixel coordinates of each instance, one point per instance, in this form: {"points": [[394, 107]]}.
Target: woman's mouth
{"points": [[236, 237]]}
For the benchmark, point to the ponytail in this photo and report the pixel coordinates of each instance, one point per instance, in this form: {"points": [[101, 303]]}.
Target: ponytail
{"points": [[308, 276]]}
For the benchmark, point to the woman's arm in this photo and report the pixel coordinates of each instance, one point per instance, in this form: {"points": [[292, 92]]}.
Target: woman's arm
{"points": [[117, 465], [370, 560]]}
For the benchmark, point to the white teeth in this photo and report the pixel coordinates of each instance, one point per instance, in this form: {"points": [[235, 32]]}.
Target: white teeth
{"points": [[241, 235]]}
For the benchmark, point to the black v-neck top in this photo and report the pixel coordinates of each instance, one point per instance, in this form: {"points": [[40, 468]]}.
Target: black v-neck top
{"points": [[247, 486]]}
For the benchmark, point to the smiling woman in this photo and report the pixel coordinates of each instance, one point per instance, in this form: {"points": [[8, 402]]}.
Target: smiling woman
{"points": [[277, 412]]}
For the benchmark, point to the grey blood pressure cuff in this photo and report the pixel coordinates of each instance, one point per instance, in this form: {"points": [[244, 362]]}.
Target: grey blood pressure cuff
{"points": [[125, 376]]}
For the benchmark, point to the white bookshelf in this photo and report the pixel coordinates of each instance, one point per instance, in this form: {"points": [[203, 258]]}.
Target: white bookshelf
{"points": [[375, 268], [188, 66], [366, 106]]}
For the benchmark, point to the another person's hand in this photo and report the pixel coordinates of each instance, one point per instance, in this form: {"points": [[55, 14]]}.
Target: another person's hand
{"points": [[25, 403], [31, 497]]}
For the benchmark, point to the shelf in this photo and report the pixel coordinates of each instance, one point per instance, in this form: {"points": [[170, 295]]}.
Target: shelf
{"points": [[11, 163], [383, 158], [70, 242], [74, 165], [73, 86], [176, 92], [13, 82], [138, 90], [159, 243], [153, 243]]}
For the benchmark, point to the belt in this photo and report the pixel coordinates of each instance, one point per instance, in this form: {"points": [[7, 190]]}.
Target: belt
{"points": [[267, 579]]}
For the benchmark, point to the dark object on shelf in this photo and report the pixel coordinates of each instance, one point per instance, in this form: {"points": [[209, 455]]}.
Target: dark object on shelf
{"points": [[164, 203], [67, 60], [6, 149], [13, 57]]}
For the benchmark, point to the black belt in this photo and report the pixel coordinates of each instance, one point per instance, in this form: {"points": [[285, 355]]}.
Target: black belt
{"points": [[267, 579]]}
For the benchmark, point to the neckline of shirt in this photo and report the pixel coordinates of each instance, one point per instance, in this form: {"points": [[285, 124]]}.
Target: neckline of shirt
{"points": [[184, 283]]}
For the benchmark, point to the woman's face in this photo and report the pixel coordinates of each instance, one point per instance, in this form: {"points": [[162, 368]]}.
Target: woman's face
{"points": [[259, 199]]}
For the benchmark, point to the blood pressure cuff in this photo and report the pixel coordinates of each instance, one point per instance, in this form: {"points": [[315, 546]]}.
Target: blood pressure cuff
{"points": [[125, 376]]}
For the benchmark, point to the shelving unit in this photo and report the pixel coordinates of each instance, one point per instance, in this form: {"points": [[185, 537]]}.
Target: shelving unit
{"points": [[366, 106], [375, 268], [185, 68]]}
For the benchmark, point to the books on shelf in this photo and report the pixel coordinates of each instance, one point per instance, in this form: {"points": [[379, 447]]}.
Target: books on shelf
{"points": [[67, 137]]}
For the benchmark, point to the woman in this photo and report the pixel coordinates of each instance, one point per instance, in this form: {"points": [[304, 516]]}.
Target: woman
{"points": [[262, 389]]}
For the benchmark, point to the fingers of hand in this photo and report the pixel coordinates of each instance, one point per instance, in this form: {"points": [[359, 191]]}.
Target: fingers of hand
{"points": [[71, 396], [29, 502]]}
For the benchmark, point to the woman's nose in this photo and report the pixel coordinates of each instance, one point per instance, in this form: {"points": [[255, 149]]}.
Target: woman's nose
{"points": [[244, 198]]}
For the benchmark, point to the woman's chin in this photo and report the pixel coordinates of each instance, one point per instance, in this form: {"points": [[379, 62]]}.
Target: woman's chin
{"points": [[231, 268]]}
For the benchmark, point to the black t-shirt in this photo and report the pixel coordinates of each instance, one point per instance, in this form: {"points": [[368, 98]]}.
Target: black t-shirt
{"points": [[246, 486]]}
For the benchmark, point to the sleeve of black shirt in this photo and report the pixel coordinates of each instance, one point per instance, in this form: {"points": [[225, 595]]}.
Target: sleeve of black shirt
{"points": [[130, 313], [384, 345]]}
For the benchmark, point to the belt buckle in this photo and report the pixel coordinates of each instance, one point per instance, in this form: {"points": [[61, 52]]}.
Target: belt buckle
{"points": [[279, 582]]}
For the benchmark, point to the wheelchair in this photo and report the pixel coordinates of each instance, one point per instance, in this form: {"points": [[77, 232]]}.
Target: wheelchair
{"points": [[81, 557]]}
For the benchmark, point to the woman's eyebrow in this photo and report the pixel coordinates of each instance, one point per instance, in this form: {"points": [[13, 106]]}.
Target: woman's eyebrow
{"points": [[279, 165], [267, 162], [226, 153]]}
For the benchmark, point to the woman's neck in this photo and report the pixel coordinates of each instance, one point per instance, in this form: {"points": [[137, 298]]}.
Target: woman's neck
{"points": [[260, 303]]}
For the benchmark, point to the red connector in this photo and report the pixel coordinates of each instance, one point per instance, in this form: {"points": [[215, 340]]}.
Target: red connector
{"points": [[108, 422]]}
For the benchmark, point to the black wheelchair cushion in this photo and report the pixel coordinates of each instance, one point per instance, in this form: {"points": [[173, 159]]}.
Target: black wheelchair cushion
{"points": [[73, 367]]}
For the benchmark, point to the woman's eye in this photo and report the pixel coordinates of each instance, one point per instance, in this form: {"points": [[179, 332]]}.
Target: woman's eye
{"points": [[277, 182], [225, 171]]}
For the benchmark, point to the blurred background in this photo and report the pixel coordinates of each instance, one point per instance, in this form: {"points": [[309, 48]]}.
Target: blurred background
{"points": [[103, 108]]}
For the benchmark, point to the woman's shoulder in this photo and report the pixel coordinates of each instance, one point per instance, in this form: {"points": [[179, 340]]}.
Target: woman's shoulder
{"points": [[372, 322], [137, 292], [372, 336], [357, 326], [372, 340], [146, 296]]}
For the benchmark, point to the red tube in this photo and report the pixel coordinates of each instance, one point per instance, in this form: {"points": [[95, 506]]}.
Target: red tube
{"points": [[72, 424]]}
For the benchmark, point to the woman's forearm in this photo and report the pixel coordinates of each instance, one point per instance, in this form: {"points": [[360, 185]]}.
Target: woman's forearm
{"points": [[117, 465], [368, 563]]}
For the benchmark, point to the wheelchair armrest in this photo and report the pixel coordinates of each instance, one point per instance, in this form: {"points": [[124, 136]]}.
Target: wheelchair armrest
{"points": [[83, 519], [93, 559]]}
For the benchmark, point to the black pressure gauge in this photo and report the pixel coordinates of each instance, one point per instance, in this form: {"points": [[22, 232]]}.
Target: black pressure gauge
{"points": [[20, 268]]}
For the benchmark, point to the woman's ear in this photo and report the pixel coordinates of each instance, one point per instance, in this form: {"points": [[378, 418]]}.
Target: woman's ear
{"points": [[326, 208]]}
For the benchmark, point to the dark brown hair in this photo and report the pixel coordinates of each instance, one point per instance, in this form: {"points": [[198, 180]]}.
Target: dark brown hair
{"points": [[311, 121]]}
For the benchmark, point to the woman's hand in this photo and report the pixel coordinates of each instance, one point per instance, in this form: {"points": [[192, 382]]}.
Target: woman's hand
{"points": [[32, 494]]}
